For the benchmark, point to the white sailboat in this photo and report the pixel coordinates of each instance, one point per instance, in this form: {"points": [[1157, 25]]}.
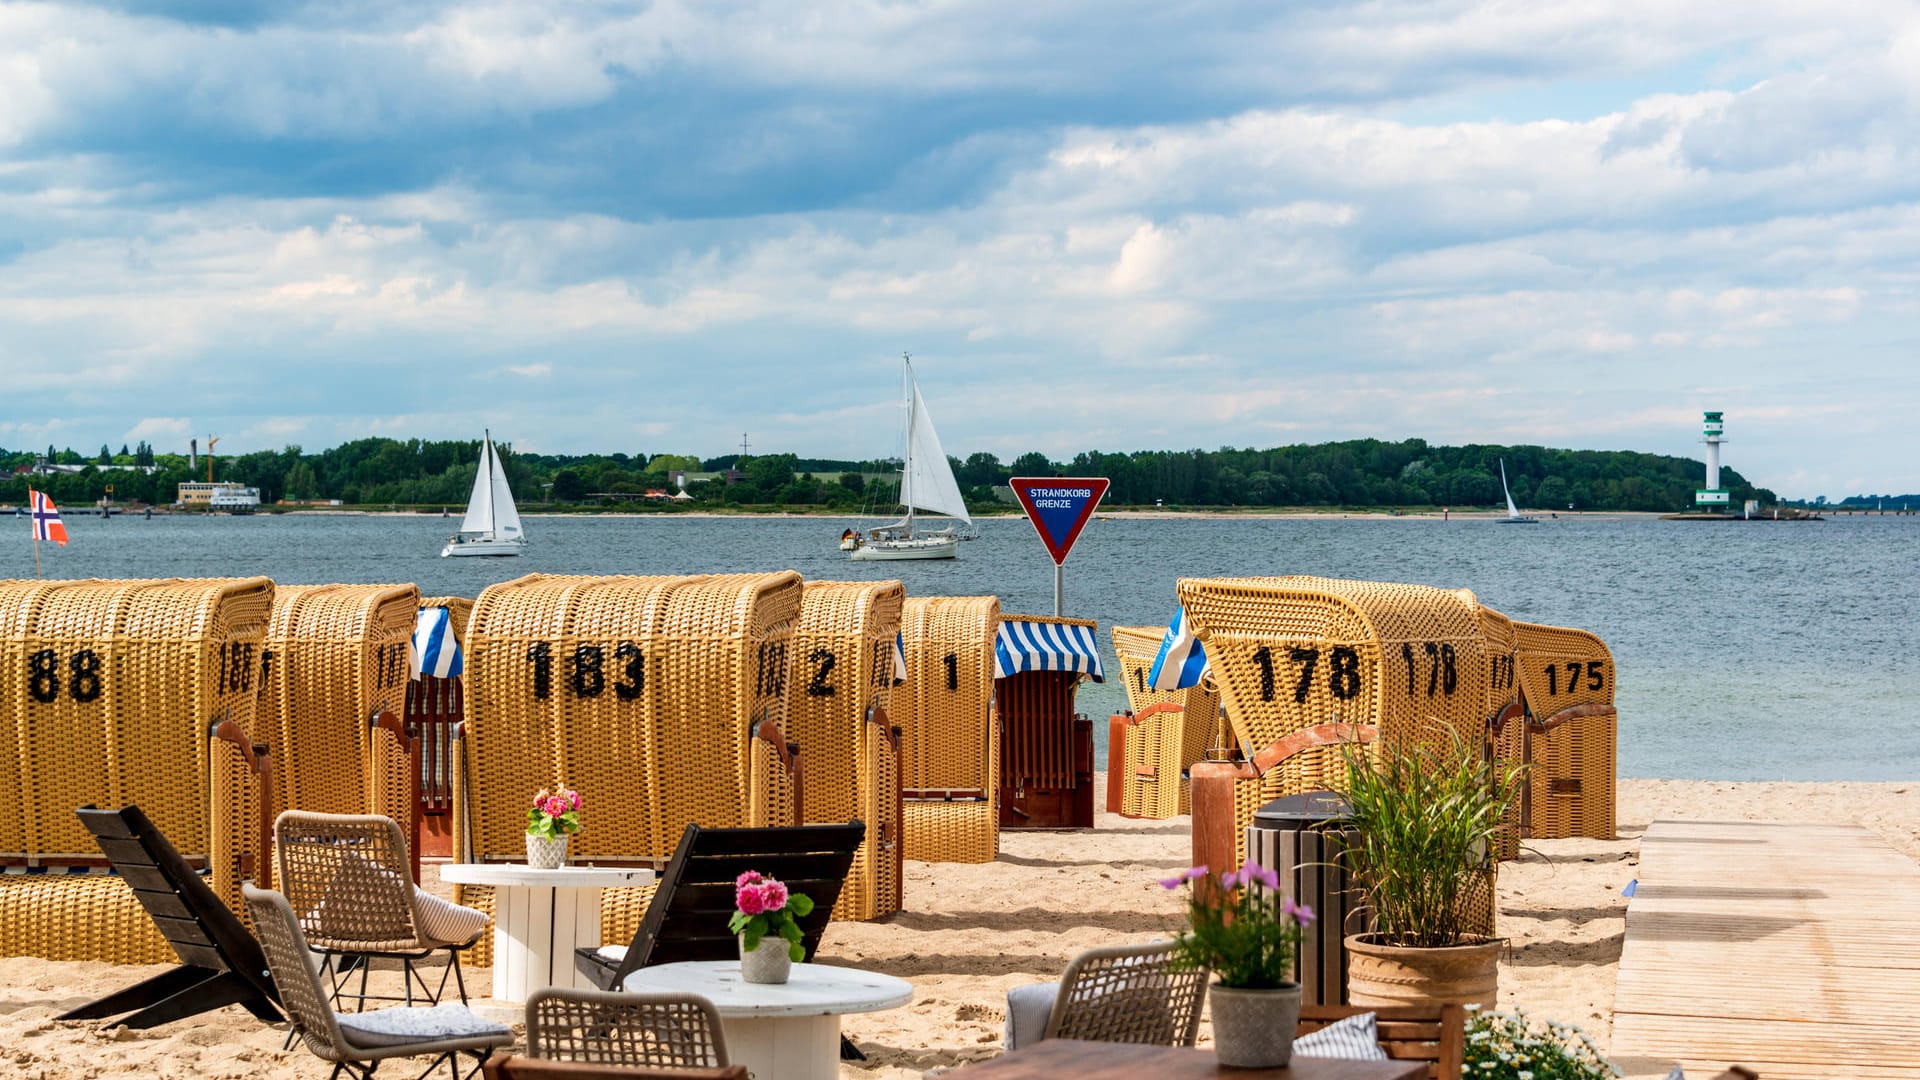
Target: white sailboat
{"points": [[926, 483], [492, 525], [1514, 516]]}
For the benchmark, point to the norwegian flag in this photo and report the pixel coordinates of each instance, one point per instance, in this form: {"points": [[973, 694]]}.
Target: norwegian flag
{"points": [[46, 519]]}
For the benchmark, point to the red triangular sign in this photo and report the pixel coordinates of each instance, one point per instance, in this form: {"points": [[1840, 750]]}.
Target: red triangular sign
{"points": [[1059, 507]]}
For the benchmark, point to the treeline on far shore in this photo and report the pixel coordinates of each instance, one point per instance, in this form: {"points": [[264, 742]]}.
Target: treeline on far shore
{"points": [[1357, 473]]}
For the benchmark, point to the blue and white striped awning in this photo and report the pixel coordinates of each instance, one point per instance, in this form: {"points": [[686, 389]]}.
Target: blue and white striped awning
{"points": [[1037, 645], [899, 659], [435, 651], [1181, 661]]}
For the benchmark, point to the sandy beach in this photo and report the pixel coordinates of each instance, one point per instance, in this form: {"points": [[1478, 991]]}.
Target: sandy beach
{"points": [[970, 932]]}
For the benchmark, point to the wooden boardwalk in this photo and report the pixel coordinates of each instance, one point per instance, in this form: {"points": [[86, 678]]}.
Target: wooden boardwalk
{"points": [[1791, 949]]}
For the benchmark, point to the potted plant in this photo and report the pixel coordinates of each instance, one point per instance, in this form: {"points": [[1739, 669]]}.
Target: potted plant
{"points": [[764, 907], [1248, 943], [1422, 822], [553, 817]]}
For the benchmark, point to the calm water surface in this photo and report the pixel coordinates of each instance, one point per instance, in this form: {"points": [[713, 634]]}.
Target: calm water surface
{"points": [[1744, 652]]}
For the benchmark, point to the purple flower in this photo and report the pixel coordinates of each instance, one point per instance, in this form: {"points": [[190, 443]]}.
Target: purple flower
{"points": [[1173, 882], [1301, 913], [1195, 873]]}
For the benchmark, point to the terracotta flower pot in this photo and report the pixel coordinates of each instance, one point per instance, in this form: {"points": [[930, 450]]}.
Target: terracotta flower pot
{"points": [[1253, 1029], [1386, 975]]}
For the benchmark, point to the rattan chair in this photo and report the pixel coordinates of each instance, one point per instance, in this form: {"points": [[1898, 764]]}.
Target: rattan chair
{"points": [[601, 1027], [1117, 993], [356, 1043], [347, 876], [950, 736]]}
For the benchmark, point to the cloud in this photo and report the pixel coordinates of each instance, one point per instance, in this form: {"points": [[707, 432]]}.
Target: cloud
{"points": [[532, 371]]}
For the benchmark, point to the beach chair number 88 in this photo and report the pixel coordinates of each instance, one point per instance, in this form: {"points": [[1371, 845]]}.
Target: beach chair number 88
{"points": [[1343, 674], [43, 676]]}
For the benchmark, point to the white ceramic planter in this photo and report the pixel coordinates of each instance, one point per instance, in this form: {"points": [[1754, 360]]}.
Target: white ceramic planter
{"points": [[547, 853], [1253, 1029], [769, 963]]}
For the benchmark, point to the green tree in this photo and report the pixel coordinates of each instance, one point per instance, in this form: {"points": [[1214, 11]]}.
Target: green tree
{"points": [[567, 486], [1034, 463]]}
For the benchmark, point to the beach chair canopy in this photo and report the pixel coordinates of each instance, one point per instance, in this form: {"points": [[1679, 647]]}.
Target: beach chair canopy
{"points": [[1032, 644]]}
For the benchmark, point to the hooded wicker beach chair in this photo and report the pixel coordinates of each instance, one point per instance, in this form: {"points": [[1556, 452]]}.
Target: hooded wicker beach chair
{"points": [[838, 690], [600, 1027], [662, 700], [348, 877], [950, 737], [1566, 681], [1117, 993], [115, 693], [1151, 746], [356, 1043], [338, 665], [1046, 749]]}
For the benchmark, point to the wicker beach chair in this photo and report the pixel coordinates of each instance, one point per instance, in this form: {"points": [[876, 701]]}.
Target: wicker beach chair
{"points": [[355, 1043], [338, 665], [1117, 993], [838, 689], [115, 693], [950, 737], [1566, 681], [347, 876], [1046, 748], [1504, 742], [1162, 734], [434, 710], [661, 699], [600, 1027]]}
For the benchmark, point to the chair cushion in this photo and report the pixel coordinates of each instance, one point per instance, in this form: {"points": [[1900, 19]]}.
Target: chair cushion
{"points": [[611, 954], [1028, 1010], [444, 920], [1355, 1038], [402, 1026]]}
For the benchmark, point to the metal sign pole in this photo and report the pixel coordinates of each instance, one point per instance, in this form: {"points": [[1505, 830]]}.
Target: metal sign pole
{"points": [[1059, 575]]}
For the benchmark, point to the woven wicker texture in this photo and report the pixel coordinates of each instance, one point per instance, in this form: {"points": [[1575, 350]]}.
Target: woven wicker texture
{"points": [[339, 653], [662, 1031], [1505, 741], [644, 694], [130, 675], [1571, 784], [950, 741], [841, 672], [1128, 994], [300, 990], [348, 879], [1192, 732]]}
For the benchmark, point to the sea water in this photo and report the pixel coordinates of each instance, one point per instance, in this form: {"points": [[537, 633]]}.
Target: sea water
{"points": [[1743, 651]]}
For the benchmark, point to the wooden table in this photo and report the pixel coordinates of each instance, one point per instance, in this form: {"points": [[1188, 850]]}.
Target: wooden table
{"points": [[539, 918], [1066, 1059], [783, 1031]]}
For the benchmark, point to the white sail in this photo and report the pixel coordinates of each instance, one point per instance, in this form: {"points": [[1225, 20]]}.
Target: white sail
{"points": [[506, 516], [480, 503], [929, 483], [1512, 510]]}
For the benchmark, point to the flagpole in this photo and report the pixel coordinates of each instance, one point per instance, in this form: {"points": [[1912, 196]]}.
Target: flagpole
{"points": [[33, 525]]}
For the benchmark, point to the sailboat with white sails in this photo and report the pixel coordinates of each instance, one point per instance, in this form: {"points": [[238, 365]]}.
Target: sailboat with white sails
{"points": [[492, 525], [1514, 516], [926, 483]]}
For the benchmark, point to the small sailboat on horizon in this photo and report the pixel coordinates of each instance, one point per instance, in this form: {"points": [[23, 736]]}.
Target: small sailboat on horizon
{"points": [[926, 483], [1514, 516], [492, 524]]}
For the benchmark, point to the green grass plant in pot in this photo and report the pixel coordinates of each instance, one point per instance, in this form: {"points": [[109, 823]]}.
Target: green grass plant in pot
{"points": [[1423, 819], [1246, 939]]}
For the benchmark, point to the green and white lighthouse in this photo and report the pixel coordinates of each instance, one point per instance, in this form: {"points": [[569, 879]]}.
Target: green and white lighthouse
{"points": [[1713, 496]]}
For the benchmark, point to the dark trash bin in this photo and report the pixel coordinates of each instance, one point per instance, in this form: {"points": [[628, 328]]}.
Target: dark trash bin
{"points": [[1299, 838]]}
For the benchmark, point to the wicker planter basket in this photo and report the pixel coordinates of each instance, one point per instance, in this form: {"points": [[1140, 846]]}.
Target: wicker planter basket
{"points": [[950, 743], [133, 676], [339, 654], [839, 687], [660, 699]]}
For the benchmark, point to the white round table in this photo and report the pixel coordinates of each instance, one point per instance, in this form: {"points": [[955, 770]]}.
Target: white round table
{"points": [[539, 918], [789, 1031]]}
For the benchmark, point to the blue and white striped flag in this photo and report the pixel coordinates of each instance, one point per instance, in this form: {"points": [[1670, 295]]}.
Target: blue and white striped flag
{"points": [[435, 651], [1037, 645], [1181, 661], [899, 660]]}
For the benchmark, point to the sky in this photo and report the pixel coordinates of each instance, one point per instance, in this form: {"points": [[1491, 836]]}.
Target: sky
{"points": [[1094, 223]]}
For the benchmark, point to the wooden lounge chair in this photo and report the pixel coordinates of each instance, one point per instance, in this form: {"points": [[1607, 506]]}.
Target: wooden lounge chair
{"points": [[1435, 1034], [600, 1027], [220, 963], [356, 1043], [687, 919], [1118, 993], [524, 1068]]}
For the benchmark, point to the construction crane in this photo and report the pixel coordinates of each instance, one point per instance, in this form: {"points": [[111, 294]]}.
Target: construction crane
{"points": [[211, 439]]}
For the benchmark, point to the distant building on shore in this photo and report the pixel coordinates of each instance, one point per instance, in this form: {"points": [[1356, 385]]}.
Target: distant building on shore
{"points": [[222, 495], [1712, 496]]}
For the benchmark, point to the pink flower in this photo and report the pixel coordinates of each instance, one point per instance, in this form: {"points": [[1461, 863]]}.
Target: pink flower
{"points": [[540, 797], [747, 878], [776, 894], [751, 898], [1301, 913], [576, 799], [556, 806]]}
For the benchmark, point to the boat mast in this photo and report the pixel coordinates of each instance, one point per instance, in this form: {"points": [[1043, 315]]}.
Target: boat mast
{"points": [[486, 466], [906, 461]]}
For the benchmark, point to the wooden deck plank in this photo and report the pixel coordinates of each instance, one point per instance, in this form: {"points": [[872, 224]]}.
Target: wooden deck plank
{"points": [[1791, 948]]}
